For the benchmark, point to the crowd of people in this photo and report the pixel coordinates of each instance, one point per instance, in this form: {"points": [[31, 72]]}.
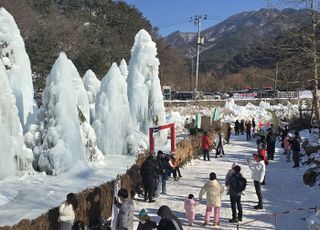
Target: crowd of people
{"points": [[156, 170]]}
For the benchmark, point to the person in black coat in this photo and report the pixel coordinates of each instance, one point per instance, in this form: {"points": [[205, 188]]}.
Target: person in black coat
{"points": [[235, 196], [228, 133], [168, 220], [242, 127], [253, 122], [236, 127], [148, 172], [248, 130], [295, 147], [271, 143]]}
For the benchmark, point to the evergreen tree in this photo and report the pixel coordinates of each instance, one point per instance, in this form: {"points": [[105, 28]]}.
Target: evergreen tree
{"points": [[43, 6], [42, 47]]}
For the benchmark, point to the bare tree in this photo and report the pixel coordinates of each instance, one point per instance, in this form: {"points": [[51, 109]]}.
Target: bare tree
{"points": [[308, 47]]}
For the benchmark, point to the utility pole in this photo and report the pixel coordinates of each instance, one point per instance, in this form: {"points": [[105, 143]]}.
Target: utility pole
{"points": [[276, 77], [197, 21], [191, 74]]}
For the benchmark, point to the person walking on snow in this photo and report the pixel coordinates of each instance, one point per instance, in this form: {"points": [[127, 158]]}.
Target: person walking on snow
{"points": [[287, 146], [206, 143], [213, 190], [295, 146], [253, 122], [236, 127], [190, 208], [219, 145], [271, 143], [228, 133], [258, 170], [149, 174], [235, 194], [242, 127], [166, 171], [248, 130]]}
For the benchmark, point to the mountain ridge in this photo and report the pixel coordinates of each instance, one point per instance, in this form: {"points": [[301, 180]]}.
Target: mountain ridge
{"points": [[242, 40]]}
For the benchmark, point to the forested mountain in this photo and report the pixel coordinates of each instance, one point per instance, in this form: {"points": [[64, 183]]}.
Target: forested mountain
{"points": [[93, 33], [245, 49]]}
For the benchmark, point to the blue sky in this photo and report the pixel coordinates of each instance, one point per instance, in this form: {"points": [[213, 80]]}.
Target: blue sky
{"points": [[172, 15]]}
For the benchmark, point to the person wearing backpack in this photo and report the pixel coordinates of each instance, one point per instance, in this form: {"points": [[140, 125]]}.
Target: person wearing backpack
{"points": [[258, 170], [237, 183]]}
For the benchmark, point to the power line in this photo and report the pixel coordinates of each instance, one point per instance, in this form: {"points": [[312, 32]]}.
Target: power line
{"points": [[173, 22], [185, 20]]}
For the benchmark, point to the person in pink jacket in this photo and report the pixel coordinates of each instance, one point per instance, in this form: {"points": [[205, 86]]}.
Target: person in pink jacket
{"points": [[287, 146], [189, 206]]}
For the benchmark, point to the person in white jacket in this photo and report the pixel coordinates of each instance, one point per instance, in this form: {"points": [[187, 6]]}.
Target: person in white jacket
{"points": [[258, 170], [66, 212]]}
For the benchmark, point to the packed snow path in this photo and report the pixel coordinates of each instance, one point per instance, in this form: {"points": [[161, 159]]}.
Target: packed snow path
{"points": [[284, 190]]}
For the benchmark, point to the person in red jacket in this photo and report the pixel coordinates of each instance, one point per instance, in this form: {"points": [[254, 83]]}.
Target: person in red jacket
{"points": [[206, 143]]}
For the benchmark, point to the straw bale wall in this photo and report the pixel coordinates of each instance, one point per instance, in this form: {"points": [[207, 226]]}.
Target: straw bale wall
{"points": [[96, 203]]}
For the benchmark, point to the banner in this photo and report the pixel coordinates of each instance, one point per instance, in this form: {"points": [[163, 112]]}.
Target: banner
{"points": [[215, 114], [198, 120]]}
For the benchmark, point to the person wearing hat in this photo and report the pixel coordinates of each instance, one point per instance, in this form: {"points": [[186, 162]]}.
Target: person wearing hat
{"points": [[126, 210], [145, 222]]}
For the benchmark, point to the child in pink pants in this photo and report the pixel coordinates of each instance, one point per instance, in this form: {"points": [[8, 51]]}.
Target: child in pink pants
{"points": [[189, 206]]}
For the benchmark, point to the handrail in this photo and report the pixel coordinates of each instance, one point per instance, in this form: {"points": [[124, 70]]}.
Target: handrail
{"points": [[275, 214]]}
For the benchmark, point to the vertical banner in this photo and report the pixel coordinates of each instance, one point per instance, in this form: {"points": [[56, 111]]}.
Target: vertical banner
{"points": [[115, 211], [215, 114], [198, 120]]}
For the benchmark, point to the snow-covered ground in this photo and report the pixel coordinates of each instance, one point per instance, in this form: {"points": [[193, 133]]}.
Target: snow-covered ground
{"points": [[30, 196], [284, 190]]}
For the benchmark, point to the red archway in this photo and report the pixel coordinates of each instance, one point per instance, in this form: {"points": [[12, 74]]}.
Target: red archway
{"points": [[157, 129]]}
